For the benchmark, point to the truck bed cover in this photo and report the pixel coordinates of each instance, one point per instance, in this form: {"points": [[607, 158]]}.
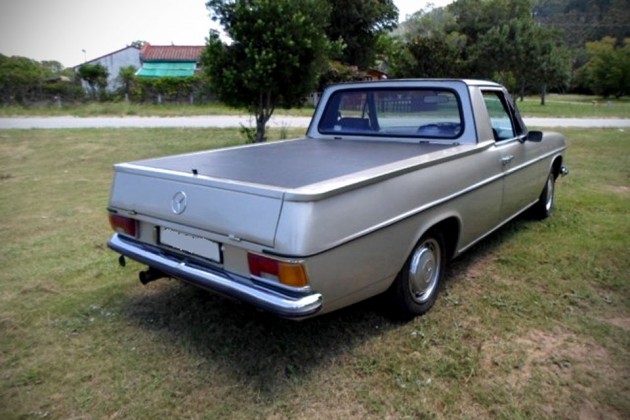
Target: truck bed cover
{"points": [[292, 164]]}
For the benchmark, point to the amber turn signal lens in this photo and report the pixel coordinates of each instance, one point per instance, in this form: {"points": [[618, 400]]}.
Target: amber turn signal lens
{"points": [[286, 273], [293, 275]]}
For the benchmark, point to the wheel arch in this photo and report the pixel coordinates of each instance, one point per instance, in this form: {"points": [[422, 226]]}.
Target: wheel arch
{"points": [[450, 229], [556, 166], [449, 226]]}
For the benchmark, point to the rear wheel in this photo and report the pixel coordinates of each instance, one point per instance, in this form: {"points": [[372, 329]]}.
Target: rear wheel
{"points": [[417, 285], [544, 206]]}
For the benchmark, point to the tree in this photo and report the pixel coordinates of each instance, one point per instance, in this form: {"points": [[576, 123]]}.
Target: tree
{"points": [[138, 44], [95, 75], [434, 56], [358, 23], [277, 51], [523, 56], [553, 62], [20, 79], [490, 39], [608, 69], [428, 46], [127, 79], [55, 68]]}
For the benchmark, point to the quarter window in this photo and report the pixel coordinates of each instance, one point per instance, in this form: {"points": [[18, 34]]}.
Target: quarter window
{"points": [[501, 119]]}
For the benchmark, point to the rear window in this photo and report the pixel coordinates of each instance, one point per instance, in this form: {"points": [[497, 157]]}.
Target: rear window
{"points": [[414, 112]]}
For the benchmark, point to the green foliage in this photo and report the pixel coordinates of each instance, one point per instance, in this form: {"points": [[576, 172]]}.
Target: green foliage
{"points": [[163, 89], [20, 78], [476, 17], [582, 21], [339, 73], [95, 75], [127, 80], [434, 56], [24, 81], [489, 39], [278, 49], [608, 69], [358, 23], [530, 55], [53, 67], [138, 43]]}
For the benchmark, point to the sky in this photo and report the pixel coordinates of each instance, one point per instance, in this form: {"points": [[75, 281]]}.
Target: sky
{"points": [[73, 31]]}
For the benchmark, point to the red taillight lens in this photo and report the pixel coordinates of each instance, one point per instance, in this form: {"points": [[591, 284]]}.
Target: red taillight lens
{"points": [[287, 273], [124, 225]]}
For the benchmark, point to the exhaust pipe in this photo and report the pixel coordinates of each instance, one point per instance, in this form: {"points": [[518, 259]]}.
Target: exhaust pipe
{"points": [[150, 275]]}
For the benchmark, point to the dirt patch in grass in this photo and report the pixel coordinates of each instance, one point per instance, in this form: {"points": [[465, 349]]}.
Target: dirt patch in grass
{"points": [[561, 369], [619, 189], [623, 323]]}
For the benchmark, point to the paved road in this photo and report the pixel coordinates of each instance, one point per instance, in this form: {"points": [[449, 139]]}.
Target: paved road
{"points": [[236, 121], [144, 122]]}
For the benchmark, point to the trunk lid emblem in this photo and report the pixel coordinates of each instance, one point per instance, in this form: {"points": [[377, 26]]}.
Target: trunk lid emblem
{"points": [[179, 202]]}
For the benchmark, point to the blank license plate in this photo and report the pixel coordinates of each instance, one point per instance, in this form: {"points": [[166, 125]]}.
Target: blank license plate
{"points": [[192, 244]]}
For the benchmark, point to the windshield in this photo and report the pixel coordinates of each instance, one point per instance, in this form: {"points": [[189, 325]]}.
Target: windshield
{"points": [[411, 112]]}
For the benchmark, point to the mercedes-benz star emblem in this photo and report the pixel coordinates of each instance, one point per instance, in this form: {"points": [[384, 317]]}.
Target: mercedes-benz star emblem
{"points": [[178, 203]]}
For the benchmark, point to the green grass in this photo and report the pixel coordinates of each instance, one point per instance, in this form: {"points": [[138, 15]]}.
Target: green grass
{"points": [[122, 109], [575, 106], [534, 321]]}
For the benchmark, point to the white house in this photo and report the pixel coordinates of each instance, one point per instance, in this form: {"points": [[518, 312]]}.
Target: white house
{"points": [[113, 62]]}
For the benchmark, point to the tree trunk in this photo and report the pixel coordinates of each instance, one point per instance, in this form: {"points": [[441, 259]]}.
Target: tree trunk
{"points": [[263, 113], [261, 124], [522, 92], [543, 94]]}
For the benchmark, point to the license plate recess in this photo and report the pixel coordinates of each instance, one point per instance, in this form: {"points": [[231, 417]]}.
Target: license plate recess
{"points": [[191, 244]]}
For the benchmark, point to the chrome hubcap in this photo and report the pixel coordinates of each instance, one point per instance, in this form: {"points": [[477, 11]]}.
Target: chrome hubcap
{"points": [[424, 270], [549, 197]]}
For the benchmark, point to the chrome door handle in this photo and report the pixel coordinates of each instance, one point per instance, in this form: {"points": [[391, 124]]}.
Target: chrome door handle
{"points": [[507, 159]]}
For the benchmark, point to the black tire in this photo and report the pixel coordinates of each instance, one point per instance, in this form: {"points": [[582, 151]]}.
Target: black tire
{"points": [[418, 284], [544, 206]]}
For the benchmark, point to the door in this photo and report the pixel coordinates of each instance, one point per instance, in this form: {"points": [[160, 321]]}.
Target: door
{"points": [[521, 170]]}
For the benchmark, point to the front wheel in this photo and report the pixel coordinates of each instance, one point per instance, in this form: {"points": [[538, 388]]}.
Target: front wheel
{"points": [[417, 285], [544, 206]]}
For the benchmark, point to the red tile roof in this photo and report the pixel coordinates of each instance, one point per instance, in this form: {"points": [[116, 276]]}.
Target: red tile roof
{"points": [[171, 52]]}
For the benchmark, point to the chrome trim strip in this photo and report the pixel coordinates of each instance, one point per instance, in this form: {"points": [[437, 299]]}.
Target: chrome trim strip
{"points": [[285, 305], [415, 211], [533, 161]]}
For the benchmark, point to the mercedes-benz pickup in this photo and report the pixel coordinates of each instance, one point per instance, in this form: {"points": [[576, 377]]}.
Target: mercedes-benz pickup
{"points": [[392, 180]]}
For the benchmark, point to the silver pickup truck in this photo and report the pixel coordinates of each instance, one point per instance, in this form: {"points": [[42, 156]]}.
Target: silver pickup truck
{"points": [[392, 180]]}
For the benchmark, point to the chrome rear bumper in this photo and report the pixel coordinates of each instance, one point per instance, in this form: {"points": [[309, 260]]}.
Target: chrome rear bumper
{"points": [[298, 305]]}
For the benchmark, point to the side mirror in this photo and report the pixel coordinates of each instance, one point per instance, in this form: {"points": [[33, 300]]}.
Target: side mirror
{"points": [[535, 136]]}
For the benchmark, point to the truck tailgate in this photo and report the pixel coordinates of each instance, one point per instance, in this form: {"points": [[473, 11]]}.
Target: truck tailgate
{"points": [[239, 211]]}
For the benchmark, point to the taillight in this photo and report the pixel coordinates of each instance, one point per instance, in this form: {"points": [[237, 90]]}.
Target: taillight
{"points": [[286, 273], [124, 225]]}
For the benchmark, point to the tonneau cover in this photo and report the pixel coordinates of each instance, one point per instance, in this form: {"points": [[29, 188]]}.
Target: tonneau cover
{"points": [[292, 164]]}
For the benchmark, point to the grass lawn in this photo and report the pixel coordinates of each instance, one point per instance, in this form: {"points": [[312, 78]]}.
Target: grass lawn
{"points": [[575, 106], [534, 321], [122, 109]]}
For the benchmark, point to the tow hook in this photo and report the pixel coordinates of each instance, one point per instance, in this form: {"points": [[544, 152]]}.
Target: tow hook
{"points": [[564, 171], [150, 275]]}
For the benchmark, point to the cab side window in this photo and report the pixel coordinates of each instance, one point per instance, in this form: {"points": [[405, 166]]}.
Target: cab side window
{"points": [[503, 126]]}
